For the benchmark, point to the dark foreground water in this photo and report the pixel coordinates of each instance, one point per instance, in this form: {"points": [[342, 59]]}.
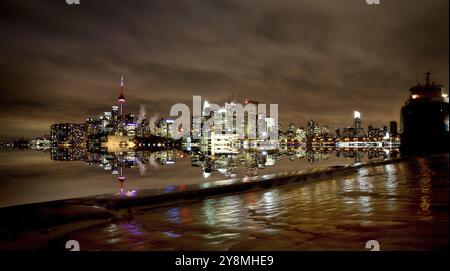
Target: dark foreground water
{"points": [[404, 206]]}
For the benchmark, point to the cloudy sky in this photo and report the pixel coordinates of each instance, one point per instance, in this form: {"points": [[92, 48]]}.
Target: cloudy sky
{"points": [[318, 59]]}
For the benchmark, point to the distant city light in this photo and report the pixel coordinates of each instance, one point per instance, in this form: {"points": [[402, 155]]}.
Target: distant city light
{"points": [[414, 96], [357, 115]]}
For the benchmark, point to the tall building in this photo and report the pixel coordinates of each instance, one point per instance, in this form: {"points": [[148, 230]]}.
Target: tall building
{"points": [[300, 134], [115, 111], [357, 124], [67, 134], [196, 131], [338, 132], [325, 131], [291, 131], [251, 121], [393, 128], [311, 129], [270, 125], [121, 102], [93, 127], [164, 128]]}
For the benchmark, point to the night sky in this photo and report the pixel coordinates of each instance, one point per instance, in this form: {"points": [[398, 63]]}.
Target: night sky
{"points": [[318, 59]]}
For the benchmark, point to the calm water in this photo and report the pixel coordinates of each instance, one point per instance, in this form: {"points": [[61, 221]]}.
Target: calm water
{"points": [[402, 205], [31, 176]]}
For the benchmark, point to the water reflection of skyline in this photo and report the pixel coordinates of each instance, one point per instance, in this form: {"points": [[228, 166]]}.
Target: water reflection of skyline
{"points": [[77, 172], [226, 164], [252, 162]]}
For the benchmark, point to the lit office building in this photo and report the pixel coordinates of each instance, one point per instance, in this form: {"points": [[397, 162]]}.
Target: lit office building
{"points": [[375, 132], [325, 131], [224, 143], [196, 131], [251, 121], [69, 134], [164, 128], [311, 129], [290, 133], [358, 132], [271, 125], [93, 127], [300, 134]]}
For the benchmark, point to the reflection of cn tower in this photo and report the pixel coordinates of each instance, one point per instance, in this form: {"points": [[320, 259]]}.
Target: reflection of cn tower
{"points": [[121, 177]]}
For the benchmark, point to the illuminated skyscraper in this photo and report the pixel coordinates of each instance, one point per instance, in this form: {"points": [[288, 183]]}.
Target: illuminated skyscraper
{"points": [[357, 119], [251, 121], [312, 128], [357, 124], [291, 130]]}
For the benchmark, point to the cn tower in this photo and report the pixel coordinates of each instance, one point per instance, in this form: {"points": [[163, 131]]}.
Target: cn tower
{"points": [[121, 100]]}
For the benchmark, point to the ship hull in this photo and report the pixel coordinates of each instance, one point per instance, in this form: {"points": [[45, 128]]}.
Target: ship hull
{"points": [[425, 128]]}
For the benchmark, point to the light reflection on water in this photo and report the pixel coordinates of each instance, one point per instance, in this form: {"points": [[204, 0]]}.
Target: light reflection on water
{"points": [[31, 176], [390, 203]]}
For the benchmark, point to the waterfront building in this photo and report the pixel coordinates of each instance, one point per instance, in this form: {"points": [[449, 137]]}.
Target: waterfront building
{"points": [[224, 143], [338, 132], [271, 124], [41, 143], [196, 131], [251, 121], [393, 128], [115, 115], [358, 130], [325, 131], [375, 133], [300, 134], [311, 129], [290, 133], [93, 127], [67, 134], [164, 128]]}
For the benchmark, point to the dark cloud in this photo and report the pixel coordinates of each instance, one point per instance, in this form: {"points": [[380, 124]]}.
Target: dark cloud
{"points": [[318, 59]]}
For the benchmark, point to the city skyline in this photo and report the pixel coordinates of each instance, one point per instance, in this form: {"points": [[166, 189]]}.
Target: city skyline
{"points": [[301, 56], [125, 118], [119, 122]]}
